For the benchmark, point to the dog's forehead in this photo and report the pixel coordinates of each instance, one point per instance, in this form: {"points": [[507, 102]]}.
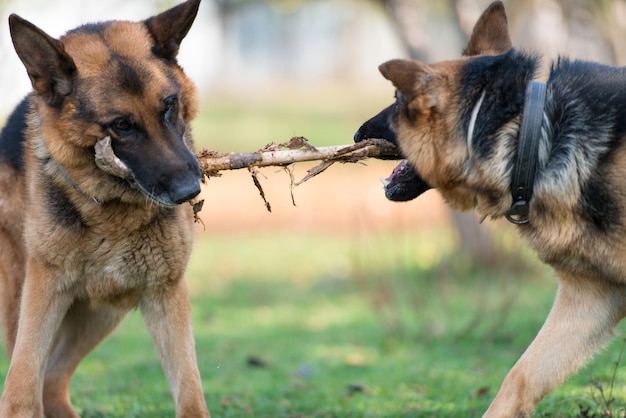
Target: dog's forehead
{"points": [[128, 38], [118, 55], [94, 47]]}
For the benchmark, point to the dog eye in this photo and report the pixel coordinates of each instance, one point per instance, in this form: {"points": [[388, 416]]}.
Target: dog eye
{"points": [[122, 125], [171, 105]]}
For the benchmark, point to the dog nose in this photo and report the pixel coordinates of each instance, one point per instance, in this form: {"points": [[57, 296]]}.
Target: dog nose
{"points": [[357, 136], [363, 133], [186, 191]]}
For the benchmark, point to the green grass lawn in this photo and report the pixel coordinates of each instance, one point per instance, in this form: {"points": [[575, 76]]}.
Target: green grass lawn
{"points": [[322, 341]]}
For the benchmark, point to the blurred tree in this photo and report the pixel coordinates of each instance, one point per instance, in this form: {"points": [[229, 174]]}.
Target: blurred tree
{"points": [[610, 16], [580, 28], [414, 24]]}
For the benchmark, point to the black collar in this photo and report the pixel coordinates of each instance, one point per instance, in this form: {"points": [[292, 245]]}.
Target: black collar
{"points": [[525, 167]]}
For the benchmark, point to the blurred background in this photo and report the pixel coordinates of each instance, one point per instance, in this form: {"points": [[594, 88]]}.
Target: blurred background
{"points": [[269, 70]]}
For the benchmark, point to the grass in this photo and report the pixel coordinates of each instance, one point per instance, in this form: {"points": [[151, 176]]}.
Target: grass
{"points": [[283, 343]]}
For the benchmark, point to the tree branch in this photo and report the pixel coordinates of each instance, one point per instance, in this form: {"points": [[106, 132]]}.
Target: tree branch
{"points": [[296, 150]]}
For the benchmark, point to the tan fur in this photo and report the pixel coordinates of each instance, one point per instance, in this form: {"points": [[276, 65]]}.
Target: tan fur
{"points": [[117, 249]]}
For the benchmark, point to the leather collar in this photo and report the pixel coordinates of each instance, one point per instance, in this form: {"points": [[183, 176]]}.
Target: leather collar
{"points": [[525, 168]]}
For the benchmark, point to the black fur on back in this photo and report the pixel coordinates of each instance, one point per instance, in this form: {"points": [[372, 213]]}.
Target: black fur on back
{"points": [[594, 92], [587, 109], [13, 135], [503, 78], [586, 122]]}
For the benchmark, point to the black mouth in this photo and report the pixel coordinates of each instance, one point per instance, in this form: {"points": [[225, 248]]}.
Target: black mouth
{"points": [[404, 183]]}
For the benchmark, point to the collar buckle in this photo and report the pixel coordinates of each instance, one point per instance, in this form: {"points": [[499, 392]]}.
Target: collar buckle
{"points": [[518, 213]]}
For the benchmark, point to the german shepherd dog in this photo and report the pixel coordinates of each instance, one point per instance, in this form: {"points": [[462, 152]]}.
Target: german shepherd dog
{"points": [[464, 127], [95, 165]]}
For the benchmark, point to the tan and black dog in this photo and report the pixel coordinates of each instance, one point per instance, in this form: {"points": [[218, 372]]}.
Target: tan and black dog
{"points": [[548, 156], [95, 167]]}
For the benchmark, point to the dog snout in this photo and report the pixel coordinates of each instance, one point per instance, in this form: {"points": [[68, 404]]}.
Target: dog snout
{"points": [[185, 190], [377, 127]]}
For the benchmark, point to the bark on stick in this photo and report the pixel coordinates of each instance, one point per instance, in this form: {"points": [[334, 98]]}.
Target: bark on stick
{"points": [[296, 150]]}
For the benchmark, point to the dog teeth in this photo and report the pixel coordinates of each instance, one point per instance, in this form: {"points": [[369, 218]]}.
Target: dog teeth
{"points": [[384, 181]]}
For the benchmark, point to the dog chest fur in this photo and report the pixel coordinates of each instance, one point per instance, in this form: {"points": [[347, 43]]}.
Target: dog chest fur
{"points": [[126, 252]]}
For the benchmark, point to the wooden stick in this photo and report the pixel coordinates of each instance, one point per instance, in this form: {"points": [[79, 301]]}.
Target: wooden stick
{"points": [[296, 150]]}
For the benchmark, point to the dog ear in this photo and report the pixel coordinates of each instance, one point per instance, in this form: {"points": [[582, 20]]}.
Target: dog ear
{"points": [[50, 69], [411, 78], [491, 33], [170, 27]]}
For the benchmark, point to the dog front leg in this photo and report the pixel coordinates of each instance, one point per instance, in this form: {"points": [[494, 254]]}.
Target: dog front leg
{"points": [[42, 310], [582, 318], [82, 329], [167, 315]]}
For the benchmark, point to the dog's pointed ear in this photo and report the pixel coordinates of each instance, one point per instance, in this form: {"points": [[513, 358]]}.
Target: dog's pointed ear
{"points": [[170, 27], [408, 76], [50, 69], [491, 33]]}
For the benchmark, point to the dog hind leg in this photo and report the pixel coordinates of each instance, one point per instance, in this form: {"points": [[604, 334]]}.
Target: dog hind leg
{"points": [[82, 329], [582, 318]]}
